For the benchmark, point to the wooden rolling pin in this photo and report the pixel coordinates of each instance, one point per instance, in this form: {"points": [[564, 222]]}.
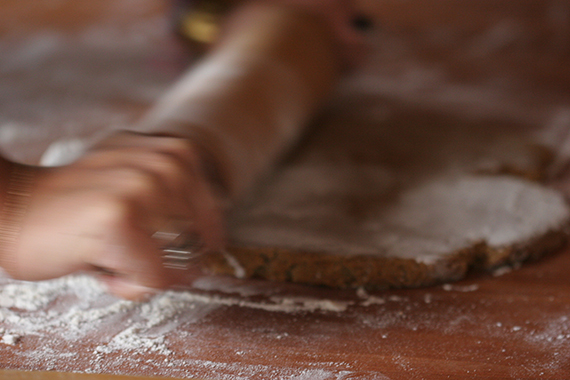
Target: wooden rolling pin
{"points": [[247, 101]]}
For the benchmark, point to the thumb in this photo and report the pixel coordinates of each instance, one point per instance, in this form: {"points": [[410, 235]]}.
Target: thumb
{"points": [[127, 289]]}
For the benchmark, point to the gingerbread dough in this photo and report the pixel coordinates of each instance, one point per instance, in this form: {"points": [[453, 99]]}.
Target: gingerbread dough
{"points": [[397, 198]]}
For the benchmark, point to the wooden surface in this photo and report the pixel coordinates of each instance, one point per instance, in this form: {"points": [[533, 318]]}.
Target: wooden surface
{"points": [[515, 326], [42, 375], [71, 67]]}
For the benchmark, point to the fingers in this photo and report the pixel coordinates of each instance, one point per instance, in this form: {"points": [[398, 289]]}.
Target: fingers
{"points": [[175, 164], [123, 288], [133, 270], [176, 190], [102, 211], [156, 183]]}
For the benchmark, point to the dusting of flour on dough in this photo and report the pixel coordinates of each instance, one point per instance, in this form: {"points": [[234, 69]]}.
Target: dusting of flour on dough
{"points": [[239, 272]]}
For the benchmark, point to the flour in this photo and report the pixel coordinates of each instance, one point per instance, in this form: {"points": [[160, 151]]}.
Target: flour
{"points": [[79, 306], [367, 299], [239, 271], [10, 339], [298, 304], [77, 310], [32, 296], [373, 300], [23, 306], [130, 337], [458, 288]]}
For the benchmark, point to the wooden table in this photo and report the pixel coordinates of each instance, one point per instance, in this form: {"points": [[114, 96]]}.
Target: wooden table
{"points": [[67, 68]]}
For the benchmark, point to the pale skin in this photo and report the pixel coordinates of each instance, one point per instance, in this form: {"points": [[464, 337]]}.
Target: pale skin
{"points": [[100, 212]]}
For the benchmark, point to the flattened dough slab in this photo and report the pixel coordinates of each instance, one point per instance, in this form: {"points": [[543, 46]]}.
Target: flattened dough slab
{"points": [[394, 198]]}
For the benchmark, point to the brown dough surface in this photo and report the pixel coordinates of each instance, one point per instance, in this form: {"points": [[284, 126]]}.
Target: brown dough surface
{"points": [[387, 197]]}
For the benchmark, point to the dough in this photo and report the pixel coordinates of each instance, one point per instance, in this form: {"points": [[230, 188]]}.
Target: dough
{"points": [[412, 200]]}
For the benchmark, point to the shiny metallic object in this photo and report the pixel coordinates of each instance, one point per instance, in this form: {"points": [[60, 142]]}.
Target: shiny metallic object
{"points": [[179, 247]]}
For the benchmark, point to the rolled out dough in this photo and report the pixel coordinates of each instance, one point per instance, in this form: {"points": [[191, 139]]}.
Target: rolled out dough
{"points": [[411, 200]]}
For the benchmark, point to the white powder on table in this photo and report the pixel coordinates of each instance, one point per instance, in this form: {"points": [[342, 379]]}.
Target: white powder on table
{"points": [[10, 339], [73, 316], [460, 288], [78, 305]]}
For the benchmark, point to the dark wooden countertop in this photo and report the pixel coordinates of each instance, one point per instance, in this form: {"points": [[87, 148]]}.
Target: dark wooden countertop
{"points": [[514, 326]]}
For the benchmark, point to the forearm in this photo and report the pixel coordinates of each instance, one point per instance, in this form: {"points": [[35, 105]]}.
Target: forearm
{"points": [[249, 99], [16, 182], [5, 171]]}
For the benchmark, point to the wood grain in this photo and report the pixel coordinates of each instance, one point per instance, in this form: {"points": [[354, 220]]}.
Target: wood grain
{"points": [[36, 375]]}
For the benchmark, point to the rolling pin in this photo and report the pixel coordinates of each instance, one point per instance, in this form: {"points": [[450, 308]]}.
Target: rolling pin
{"points": [[247, 101]]}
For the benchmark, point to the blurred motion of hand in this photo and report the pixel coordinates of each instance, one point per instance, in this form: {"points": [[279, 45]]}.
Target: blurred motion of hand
{"points": [[101, 212]]}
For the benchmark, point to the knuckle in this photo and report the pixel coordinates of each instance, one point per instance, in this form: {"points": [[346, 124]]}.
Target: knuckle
{"points": [[141, 184], [133, 184], [181, 148], [165, 165], [114, 211], [134, 178]]}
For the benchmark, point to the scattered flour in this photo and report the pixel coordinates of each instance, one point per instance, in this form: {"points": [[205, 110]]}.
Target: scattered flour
{"points": [[502, 271], [80, 304], [296, 304], [131, 339], [129, 336], [239, 271], [76, 309], [10, 339], [362, 293], [459, 288], [367, 299]]}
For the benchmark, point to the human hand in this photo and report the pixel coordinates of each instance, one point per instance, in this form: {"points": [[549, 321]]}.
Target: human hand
{"points": [[100, 213]]}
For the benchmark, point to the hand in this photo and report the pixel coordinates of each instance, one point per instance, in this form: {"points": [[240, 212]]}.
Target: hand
{"points": [[101, 212]]}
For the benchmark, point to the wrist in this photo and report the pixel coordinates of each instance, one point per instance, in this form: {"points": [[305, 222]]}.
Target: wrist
{"points": [[15, 200]]}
